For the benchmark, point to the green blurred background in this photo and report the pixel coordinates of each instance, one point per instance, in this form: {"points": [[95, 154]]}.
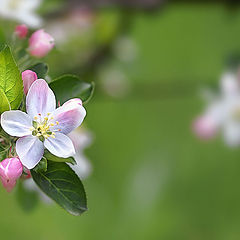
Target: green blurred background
{"points": [[152, 179]]}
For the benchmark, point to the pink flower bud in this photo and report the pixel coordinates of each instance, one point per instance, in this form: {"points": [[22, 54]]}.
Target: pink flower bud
{"points": [[21, 31], [74, 100], [204, 127], [40, 43], [10, 170], [28, 78]]}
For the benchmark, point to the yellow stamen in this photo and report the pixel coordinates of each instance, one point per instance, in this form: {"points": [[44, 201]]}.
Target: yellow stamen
{"points": [[42, 128]]}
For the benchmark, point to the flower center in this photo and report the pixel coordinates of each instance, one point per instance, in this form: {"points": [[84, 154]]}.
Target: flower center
{"points": [[42, 127]]}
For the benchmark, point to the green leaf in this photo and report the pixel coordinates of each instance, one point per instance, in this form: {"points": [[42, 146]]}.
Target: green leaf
{"points": [[2, 39], [10, 79], [27, 199], [4, 103], [42, 166], [71, 86], [3, 152], [41, 69], [54, 158], [61, 184]]}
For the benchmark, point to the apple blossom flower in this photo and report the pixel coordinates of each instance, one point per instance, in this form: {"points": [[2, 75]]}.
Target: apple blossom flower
{"points": [[10, 170], [43, 126], [28, 78], [22, 11], [81, 139], [40, 43], [21, 31], [223, 113]]}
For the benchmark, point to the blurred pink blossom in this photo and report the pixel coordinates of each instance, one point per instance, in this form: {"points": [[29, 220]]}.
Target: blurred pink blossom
{"points": [[40, 43], [204, 127], [21, 31], [81, 139], [222, 112]]}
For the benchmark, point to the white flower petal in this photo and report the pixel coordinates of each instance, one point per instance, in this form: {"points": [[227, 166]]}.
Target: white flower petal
{"points": [[30, 151], [29, 5], [69, 117], [30, 19], [16, 123], [81, 138], [231, 133], [22, 11], [40, 99], [60, 146], [83, 167]]}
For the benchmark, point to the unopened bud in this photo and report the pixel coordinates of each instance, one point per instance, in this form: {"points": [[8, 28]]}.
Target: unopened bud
{"points": [[40, 43], [10, 170], [21, 31], [28, 78]]}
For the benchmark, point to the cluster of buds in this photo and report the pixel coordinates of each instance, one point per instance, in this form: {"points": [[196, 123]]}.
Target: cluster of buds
{"points": [[40, 43]]}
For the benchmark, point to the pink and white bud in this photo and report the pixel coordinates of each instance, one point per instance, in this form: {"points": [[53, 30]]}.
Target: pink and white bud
{"points": [[21, 31], [40, 43], [204, 127], [10, 170], [73, 101], [28, 78]]}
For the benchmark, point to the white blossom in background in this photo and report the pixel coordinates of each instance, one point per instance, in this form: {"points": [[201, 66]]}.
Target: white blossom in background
{"points": [[74, 23], [222, 113], [114, 81], [81, 139], [23, 11], [125, 49]]}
